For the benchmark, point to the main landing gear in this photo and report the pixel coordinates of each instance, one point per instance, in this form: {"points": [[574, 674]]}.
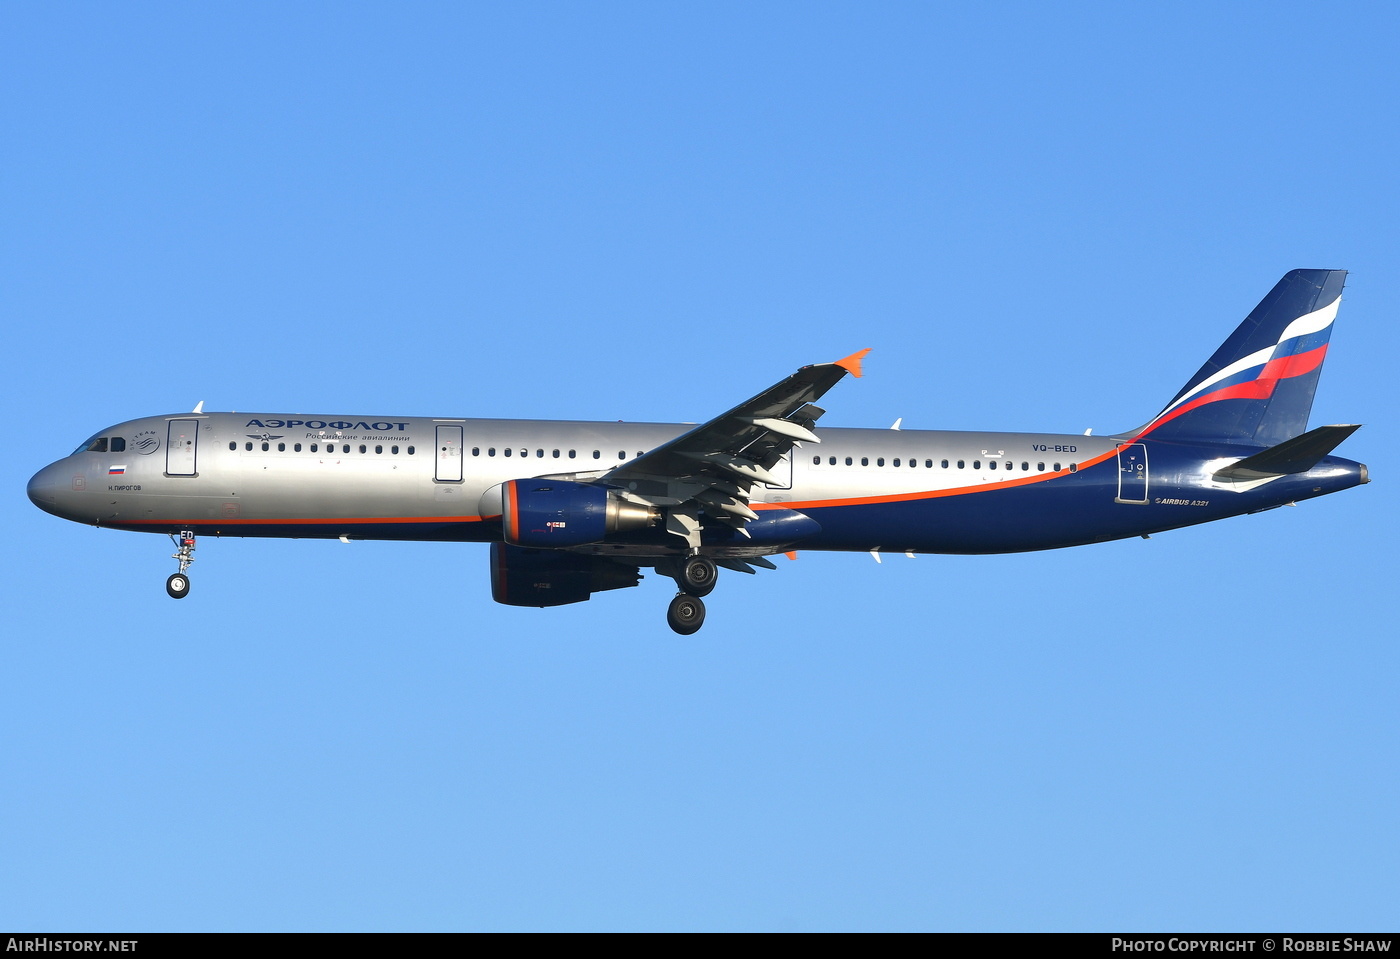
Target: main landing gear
{"points": [[696, 576], [178, 585]]}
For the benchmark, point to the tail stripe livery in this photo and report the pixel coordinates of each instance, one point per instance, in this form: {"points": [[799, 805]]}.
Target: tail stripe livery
{"points": [[1269, 367]]}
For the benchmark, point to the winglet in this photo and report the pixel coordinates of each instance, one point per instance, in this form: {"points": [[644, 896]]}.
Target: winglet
{"points": [[851, 364]]}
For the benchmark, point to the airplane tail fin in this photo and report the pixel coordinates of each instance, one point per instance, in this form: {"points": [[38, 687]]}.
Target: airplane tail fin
{"points": [[1258, 387]]}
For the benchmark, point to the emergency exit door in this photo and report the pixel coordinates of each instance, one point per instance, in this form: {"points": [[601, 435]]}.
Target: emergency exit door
{"points": [[449, 454]]}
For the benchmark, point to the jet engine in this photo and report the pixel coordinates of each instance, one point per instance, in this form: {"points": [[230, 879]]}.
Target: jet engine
{"points": [[542, 577], [556, 514]]}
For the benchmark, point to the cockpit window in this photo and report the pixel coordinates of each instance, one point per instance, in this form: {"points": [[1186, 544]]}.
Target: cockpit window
{"points": [[118, 444], [98, 444]]}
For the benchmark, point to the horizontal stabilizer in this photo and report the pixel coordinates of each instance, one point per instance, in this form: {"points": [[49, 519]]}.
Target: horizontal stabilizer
{"points": [[1297, 455]]}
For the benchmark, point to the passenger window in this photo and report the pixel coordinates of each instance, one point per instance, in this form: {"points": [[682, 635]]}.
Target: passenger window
{"points": [[233, 446], [524, 452], [362, 448], [346, 448], [491, 451], [848, 461], [476, 450], [571, 454], [540, 454], [410, 451], [296, 447], [961, 464], [816, 461], [313, 447], [508, 451], [118, 444], [621, 455], [639, 454], [896, 461], [945, 464], [977, 464], [597, 454], [248, 446], [98, 445], [395, 451], [831, 461], [880, 461], [1040, 467], [281, 447], [865, 461], [1057, 467], [556, 454], [379, 449], [264, 447], [991, 464], [1073, 467], [1025, 467]]}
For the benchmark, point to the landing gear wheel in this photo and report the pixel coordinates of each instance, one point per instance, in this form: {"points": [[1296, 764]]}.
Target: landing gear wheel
{"points": [[686, 614], [178, 586], [698, 576]]}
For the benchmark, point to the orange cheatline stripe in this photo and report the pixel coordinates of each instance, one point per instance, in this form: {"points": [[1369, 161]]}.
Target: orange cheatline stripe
{"points": [[937, 493], [292, 521], [759, 507]]}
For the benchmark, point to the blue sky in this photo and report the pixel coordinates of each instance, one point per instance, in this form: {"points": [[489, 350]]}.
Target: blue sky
{"points": [[1039, 217]]}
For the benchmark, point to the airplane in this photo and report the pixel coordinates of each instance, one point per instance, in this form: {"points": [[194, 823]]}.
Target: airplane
{"points": [[575, 508]]}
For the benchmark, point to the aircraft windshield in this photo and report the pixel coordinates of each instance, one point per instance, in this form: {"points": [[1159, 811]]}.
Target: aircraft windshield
{"points": [[98, 444]]}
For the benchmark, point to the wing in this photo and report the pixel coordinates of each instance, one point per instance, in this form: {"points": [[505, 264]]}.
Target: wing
{"points": [[709, 471]]}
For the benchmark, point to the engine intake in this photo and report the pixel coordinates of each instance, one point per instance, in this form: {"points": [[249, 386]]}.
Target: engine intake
{"points": [[555, 514]]}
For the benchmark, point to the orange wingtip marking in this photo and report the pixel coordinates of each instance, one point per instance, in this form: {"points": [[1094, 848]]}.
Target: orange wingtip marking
{"points": [[851, 364], [791, 554]]}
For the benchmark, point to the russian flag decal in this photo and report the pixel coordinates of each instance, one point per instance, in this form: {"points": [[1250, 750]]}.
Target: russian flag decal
{"points": [[116, 470]]}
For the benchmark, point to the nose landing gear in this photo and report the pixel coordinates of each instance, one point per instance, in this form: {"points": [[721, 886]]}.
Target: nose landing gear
{"points": [[178, 584]]}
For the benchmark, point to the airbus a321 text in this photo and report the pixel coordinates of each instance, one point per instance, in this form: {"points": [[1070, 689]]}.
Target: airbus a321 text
{"points": [[574, 508]]}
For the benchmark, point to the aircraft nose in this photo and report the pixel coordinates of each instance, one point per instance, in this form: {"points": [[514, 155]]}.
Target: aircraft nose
{"points": [[43, 488]]}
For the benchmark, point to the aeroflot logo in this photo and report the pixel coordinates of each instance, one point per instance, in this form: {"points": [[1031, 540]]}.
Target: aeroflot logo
{"points": [[327, 424]]}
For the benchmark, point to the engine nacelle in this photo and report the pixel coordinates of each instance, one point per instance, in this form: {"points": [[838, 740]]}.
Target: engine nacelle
{"points": [[539, 577], [555, 514]]}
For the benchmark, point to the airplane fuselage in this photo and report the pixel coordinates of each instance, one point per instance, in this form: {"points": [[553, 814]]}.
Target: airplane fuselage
{"points": [[417, 478]]}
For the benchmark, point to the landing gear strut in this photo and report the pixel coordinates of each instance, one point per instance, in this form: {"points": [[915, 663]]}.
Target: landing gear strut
{"points": [[178, 585], [686, 614]]}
